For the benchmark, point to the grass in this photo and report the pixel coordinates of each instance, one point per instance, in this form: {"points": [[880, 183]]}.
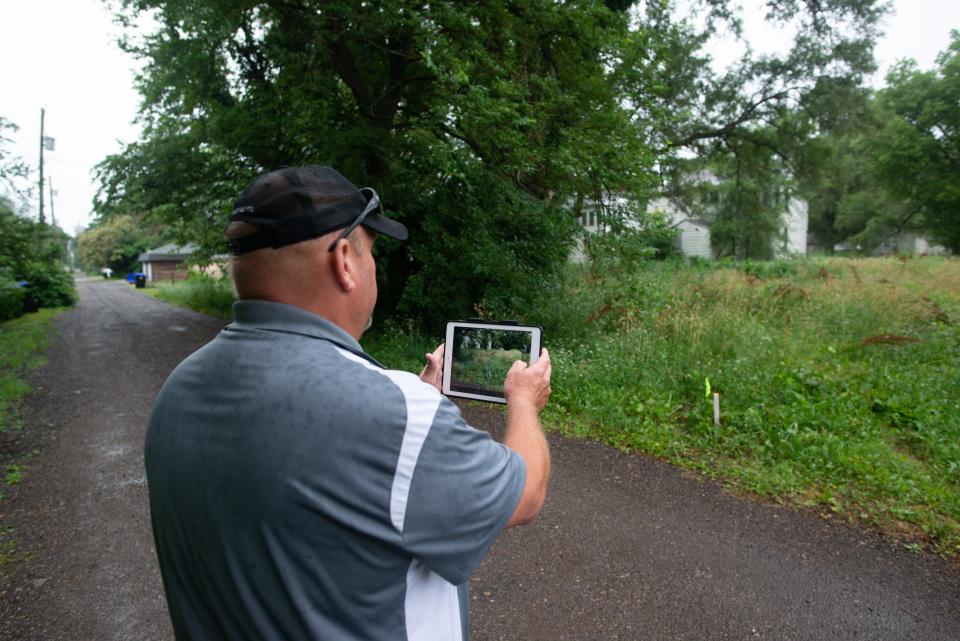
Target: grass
{"points": [[204, 295], [23, 342], [484, 368], [22, 345], [838, 378], [838, 382]]}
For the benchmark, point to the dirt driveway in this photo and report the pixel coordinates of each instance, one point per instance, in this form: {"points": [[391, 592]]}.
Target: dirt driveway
{"points": [[626, 547]]}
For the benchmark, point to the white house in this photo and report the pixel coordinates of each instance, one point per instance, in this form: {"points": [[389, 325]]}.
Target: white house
{"points": [[908, 242], [693, 233], [795, 220]]}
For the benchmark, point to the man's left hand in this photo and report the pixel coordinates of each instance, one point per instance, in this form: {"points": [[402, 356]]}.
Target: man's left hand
{"points": [[433, 372]]}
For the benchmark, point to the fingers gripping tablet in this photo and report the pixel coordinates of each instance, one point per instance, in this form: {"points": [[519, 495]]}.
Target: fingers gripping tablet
{"points": [[478, 355]]}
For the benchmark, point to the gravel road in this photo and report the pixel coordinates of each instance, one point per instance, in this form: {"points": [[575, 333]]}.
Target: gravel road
{"points": [[626, 547]]}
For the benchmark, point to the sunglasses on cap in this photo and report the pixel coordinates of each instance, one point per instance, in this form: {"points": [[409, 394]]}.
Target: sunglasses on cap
{"points": [[372, 203]]}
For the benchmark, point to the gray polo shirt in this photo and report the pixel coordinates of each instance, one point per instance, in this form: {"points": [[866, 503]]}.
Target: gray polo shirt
{"points": [[299, 490]]}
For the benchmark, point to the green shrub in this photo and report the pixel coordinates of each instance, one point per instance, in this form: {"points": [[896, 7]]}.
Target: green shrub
{"points": [[484, 243], [213, 296], [11, 300], [626, 245], [402, 348], [50, 285]]}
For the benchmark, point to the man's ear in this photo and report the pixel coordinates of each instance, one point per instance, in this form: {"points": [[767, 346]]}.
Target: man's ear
{"points": [[344, 271]]}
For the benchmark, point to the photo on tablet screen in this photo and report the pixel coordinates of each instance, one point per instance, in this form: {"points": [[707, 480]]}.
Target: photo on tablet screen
{"points": [[481, 356]]}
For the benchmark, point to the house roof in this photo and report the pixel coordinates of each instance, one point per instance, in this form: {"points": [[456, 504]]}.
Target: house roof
{"points": [[170, 251], [681, 219]]}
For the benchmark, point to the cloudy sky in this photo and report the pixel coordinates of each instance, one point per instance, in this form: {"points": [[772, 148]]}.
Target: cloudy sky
{"points": [[61, 55]]}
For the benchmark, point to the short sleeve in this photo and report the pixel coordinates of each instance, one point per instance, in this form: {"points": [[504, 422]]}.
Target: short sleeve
{"points": [[464, 489]]}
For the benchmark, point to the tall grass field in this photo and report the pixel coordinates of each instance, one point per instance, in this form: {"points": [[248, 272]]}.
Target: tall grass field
{"points": [[838, 379]]}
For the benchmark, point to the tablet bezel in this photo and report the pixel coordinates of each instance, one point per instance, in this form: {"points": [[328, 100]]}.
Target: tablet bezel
{"points": [[536, 336]]}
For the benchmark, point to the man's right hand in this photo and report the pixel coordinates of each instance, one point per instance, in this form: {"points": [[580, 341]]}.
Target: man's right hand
{"points": [[529, 384], [527, 390]]}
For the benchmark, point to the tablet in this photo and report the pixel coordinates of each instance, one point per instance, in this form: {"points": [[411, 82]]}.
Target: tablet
{"points": [[478, 355]]}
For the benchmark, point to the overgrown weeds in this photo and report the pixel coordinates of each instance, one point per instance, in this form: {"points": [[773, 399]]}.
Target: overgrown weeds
{"points": [[22, 344], [838, 378], [210, 296]]}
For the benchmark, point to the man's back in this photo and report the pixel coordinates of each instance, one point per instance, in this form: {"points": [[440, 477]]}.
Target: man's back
{"points": [[298, 490]]}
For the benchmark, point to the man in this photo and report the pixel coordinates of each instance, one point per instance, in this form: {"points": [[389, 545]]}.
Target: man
{"points": [[299, 490]]}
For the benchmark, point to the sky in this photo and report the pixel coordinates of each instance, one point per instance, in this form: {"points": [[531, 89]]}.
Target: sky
{"points": [[61, 55]]}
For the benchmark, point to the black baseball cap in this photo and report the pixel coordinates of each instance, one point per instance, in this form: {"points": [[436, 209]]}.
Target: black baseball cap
{"points": [[294, 204]]}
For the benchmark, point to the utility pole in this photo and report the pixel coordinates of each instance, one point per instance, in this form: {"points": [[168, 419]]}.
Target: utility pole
{"points": [[49, 144], [53, 217], [53, 221], [42, 112]]}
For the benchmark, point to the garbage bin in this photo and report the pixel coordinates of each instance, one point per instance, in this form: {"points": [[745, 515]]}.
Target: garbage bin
{"points": [[141, 280], [30, 304]]}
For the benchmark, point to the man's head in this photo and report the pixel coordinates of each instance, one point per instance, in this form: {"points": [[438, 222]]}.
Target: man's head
{"points": [[304, 236]]}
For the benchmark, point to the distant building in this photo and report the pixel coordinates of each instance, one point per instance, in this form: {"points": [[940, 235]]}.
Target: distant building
{"points": [[693, 232], [168, 262], [796, 221], [908, 242]]}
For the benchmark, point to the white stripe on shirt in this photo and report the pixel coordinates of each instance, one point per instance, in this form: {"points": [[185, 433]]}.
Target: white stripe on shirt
{"points": [[432, 606], [423, 401], [431, 603]]}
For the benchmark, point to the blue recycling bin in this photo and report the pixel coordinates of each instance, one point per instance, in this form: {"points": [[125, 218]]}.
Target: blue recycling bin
{"points": [[30, 304]]}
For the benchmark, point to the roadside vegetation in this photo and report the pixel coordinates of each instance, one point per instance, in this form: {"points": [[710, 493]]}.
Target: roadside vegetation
{"points": [[213, 297], [838, 379], [23, 343], [31, 270]]}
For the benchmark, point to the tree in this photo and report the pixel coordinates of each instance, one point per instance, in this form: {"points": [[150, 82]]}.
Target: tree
{"points": [[17, 241], [847, 201], [897, 169], [482, 125], [13, 170], [757, 125], [23, 258], [477, 123], [916, 154], [116, 242]]}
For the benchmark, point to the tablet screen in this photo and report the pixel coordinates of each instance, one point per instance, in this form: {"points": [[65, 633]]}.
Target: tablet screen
{"points": [[478, 356]]}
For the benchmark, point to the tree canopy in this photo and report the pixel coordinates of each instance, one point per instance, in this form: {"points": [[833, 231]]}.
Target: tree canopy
{"points": [[117, 243], [13, 170], [483, 126], [916, 154], [898, 168]]}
